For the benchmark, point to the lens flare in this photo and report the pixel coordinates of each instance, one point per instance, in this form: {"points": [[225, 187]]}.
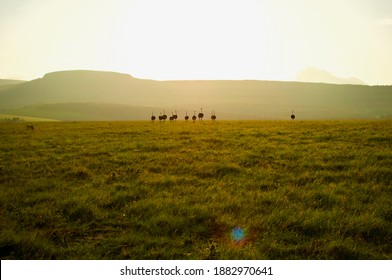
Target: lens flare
{"points": [[238, 234]]}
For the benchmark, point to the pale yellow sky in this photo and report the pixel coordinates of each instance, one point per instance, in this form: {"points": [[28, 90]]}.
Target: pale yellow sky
{"points": [[198, 39]]}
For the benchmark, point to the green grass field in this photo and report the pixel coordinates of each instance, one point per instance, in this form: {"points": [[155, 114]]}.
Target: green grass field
{"points": [[13, 118], [143, 190]]}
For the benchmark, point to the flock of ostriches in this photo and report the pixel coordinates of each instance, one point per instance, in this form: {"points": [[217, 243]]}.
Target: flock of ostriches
{"points": [[174, 116]]}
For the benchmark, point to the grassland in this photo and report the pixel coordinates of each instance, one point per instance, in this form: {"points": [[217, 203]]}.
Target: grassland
{"points": [[14, 118], [143, 190]]}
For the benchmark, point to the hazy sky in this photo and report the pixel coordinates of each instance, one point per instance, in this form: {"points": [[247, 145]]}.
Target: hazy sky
{"points": [[198, 39]]}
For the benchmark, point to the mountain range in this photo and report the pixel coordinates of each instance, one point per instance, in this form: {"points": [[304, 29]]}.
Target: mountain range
{"points": [[97, 95]]}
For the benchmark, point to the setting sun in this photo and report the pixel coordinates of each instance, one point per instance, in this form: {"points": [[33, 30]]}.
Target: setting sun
{"points": [[204, 39]]}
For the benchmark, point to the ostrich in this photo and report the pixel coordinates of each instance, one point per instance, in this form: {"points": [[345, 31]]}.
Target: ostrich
{"points": [[171, 118], [186, 116], [152, 117], [213, 116], [160, 117], [292, 115], [175, 115], [201, 115], [194, 116], [164, 117]]}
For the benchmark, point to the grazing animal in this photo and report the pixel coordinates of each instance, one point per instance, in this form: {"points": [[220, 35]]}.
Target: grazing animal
{"points": [[30, 127], [186, 116], [175, 115], [164, 117], [152, 117], [201, 115], [171, 118], [194, 116], [292, 115], [213, 116], [160, 117]]}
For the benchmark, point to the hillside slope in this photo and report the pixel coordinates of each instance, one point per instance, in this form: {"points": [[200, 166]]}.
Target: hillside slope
{"points": [[246, 99], [10, 82], [71, 86]]}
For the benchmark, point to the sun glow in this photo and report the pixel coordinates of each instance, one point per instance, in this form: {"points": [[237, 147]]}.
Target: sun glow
{"points": [[197, 39]]}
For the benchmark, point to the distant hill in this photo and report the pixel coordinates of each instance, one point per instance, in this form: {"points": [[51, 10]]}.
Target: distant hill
{"points": [[315, 75], [6, 85], [72, 86], [10, 82], [95, 95]]}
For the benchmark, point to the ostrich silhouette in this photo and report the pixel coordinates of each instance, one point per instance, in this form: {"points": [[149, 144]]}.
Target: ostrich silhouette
{"points": [[213, 116], [194, 116], [292, 115], [164, 117], [174, 116], [201, 115]]}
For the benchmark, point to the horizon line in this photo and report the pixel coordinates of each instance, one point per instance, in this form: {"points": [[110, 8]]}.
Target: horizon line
{"points": [[179, 80]]}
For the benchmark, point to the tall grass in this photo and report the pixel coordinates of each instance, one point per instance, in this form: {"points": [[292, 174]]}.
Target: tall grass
{"points": [[142, 190]]}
